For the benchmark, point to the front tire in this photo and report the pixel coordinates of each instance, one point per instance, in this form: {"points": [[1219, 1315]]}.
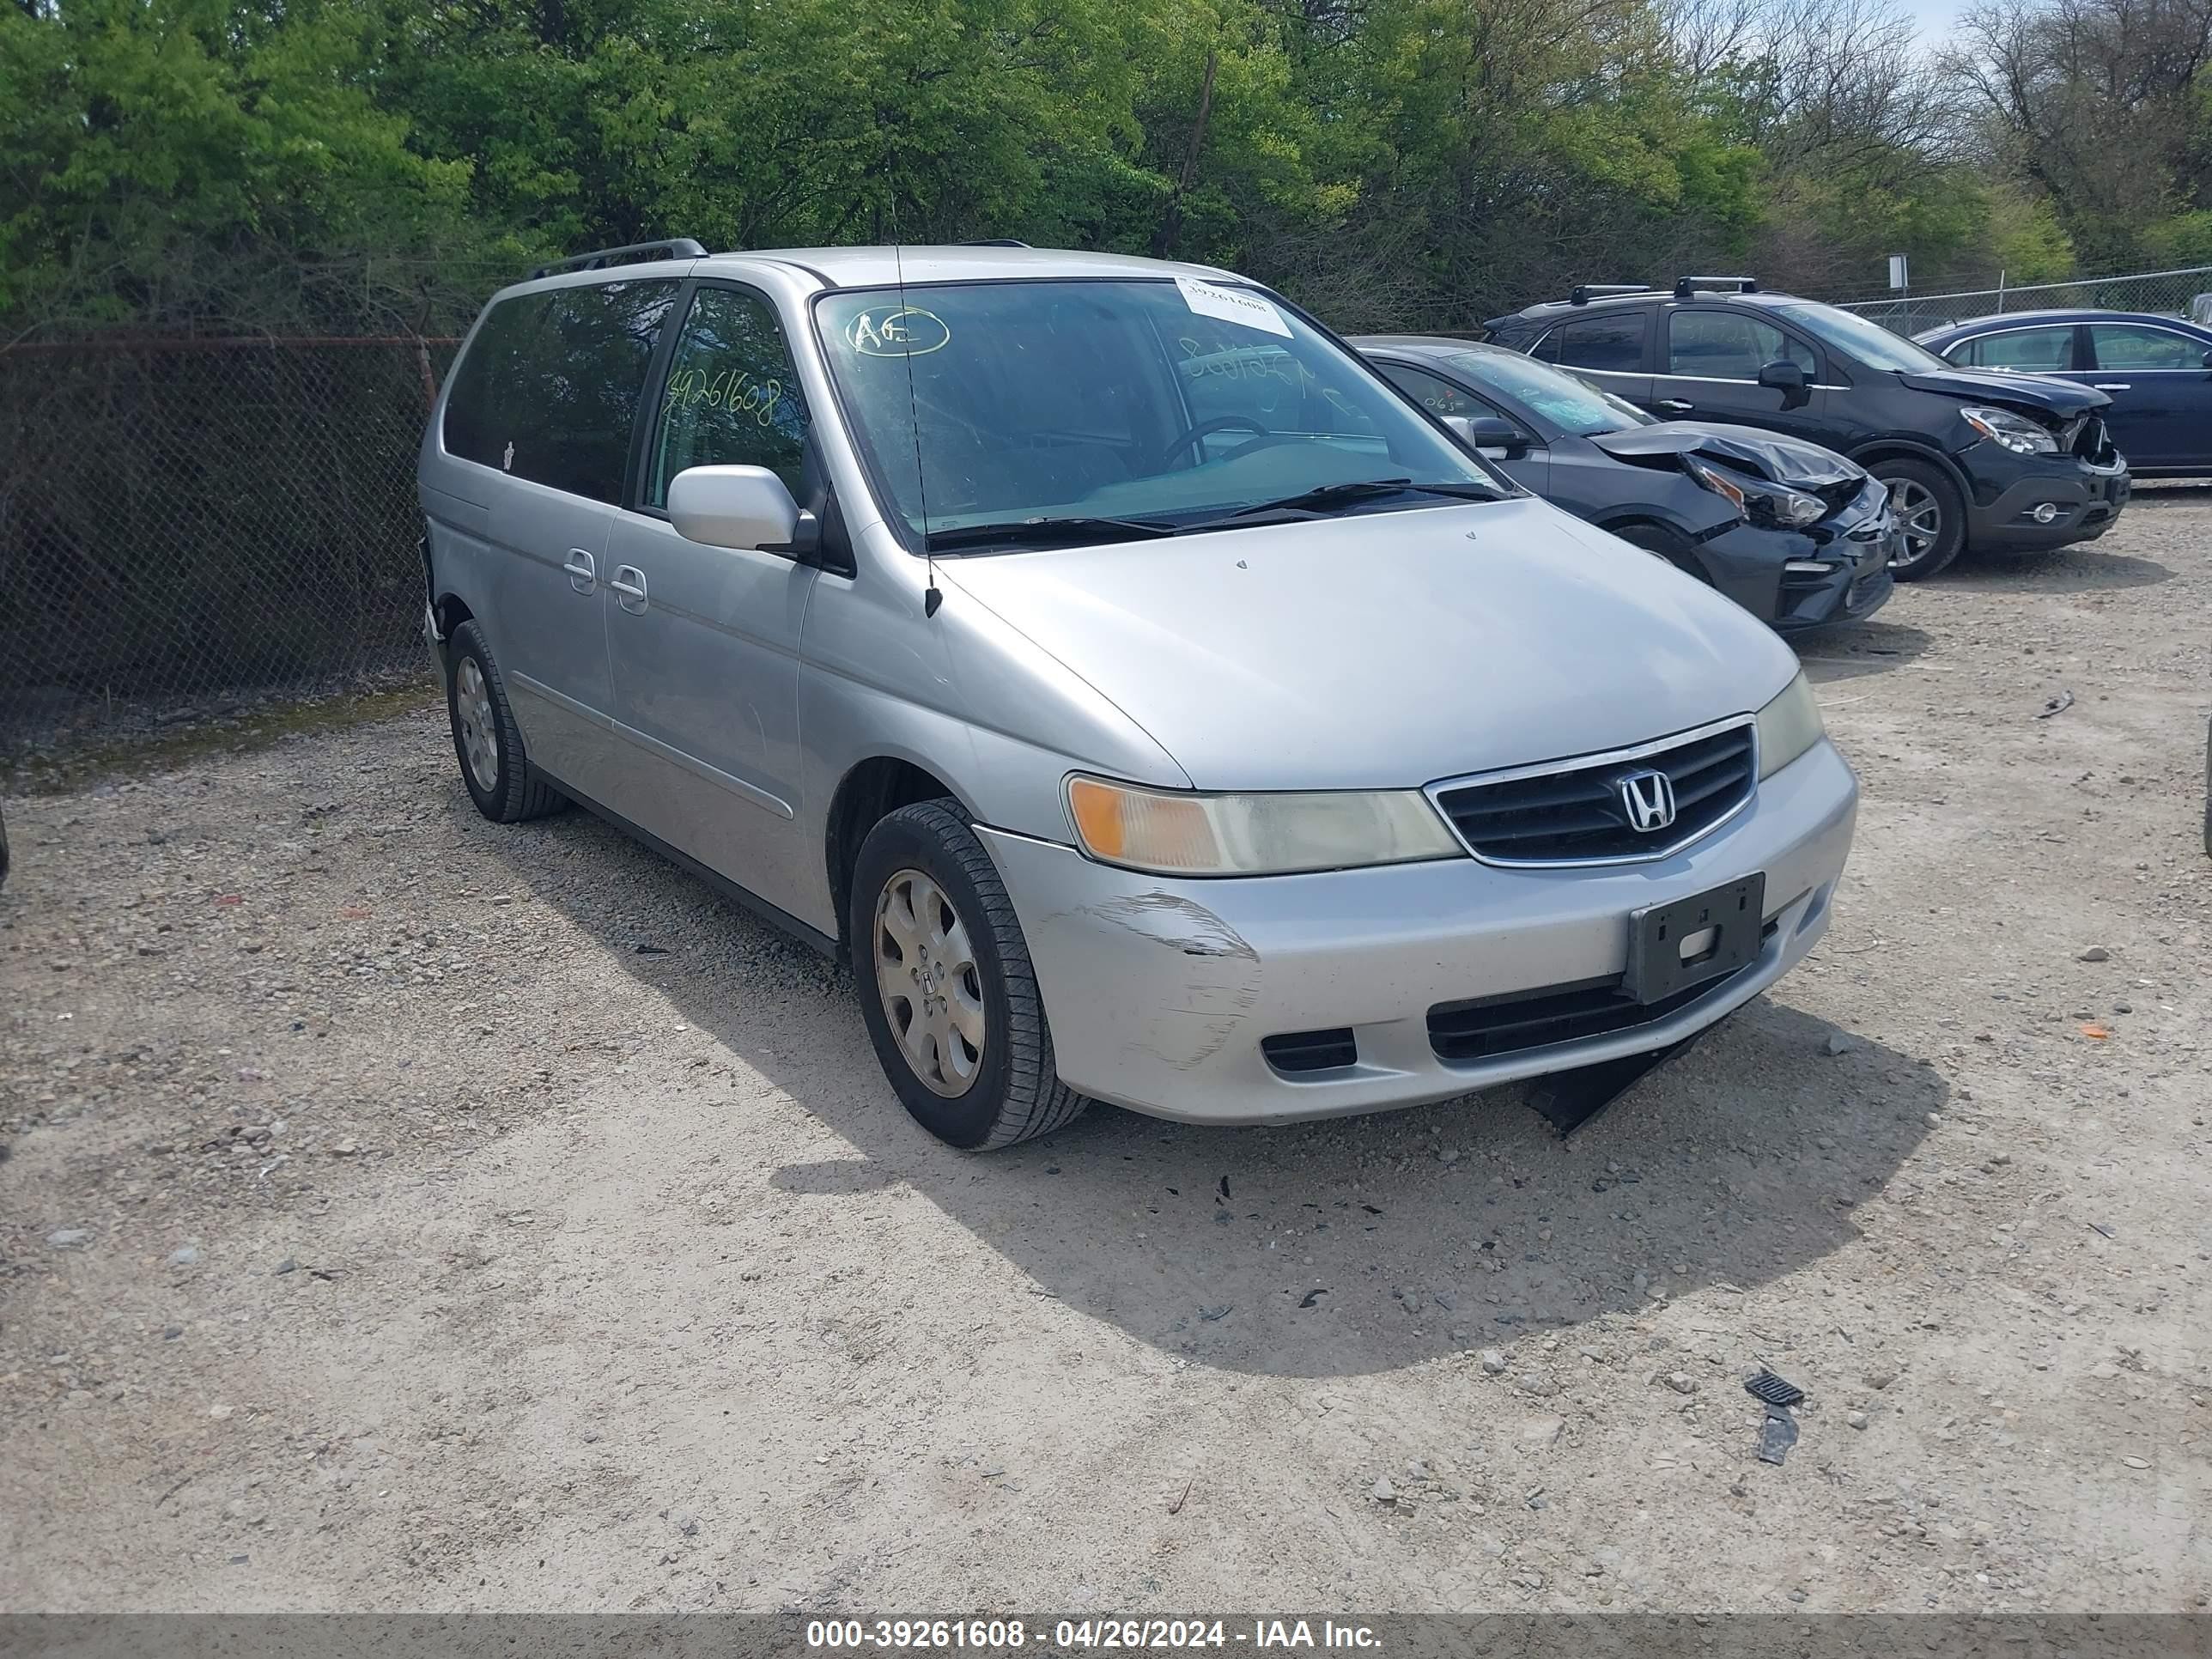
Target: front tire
{"points": [[1660, 543], [486, 740], [946, 985], [1931, 513]]}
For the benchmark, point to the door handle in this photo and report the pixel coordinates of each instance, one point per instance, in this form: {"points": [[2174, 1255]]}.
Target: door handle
{"points": [[632, 591], [1676, 405], [2113, 386], [583, 573]]}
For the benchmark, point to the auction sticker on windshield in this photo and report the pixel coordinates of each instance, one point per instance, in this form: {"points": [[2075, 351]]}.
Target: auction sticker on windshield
{"points": [[1232, 304]]}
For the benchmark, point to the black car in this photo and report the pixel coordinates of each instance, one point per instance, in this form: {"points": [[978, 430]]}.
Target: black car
{"points": [[1795, 534], [2156, 370], [1992, 461]]}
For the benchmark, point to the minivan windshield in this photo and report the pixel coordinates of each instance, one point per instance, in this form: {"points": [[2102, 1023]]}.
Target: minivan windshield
{"points": [[1072, 409], [1861, 341], [1573, 405]]}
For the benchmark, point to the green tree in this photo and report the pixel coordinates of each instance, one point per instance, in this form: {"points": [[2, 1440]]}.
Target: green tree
{"points": [[171, 160]]}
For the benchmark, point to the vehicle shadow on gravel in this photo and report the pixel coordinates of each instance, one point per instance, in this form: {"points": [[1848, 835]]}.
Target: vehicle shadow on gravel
{"points": [[2069, 570], [2154, 493], [1856, 649], [1353, 1246]]}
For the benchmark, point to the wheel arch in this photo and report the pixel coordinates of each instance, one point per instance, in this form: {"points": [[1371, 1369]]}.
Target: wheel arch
{"points": [[1624, 525], [871, 790], [1876, 450], [451, 610]]}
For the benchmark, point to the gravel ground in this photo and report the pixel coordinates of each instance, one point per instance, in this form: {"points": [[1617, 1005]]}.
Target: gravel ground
{"points": [[403, 1211]]}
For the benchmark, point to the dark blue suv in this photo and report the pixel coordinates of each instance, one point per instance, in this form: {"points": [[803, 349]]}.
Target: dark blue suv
{"points": [[1985, 459]]}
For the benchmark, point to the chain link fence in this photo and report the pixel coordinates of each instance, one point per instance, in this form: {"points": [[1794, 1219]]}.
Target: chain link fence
{"points": [[189, 524], [2182, 292]]}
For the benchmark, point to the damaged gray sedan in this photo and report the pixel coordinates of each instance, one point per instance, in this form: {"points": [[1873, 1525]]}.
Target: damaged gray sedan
{"points": [[1150, 702], [1795, 533]]}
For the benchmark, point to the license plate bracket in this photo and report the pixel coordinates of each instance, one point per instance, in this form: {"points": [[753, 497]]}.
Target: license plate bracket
{"points": [[1704, 937]]}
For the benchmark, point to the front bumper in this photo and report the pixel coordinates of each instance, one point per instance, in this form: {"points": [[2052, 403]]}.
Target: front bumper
{"points": [[2085, 499], [1836, 571], [1160, 991]]}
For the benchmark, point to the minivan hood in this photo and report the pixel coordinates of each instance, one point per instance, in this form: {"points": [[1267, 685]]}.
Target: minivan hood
{"points": [[2062, 398], [1384, 650], [1764, 454]]}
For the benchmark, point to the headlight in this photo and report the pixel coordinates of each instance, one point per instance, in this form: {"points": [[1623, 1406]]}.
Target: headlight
{"points": [[1176, 833], [1770, 503], [2015, 432], [1788, 726]]}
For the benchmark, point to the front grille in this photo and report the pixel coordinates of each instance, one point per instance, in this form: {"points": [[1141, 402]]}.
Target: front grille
{"points": [[1576, 812], [1488, 1027], [2086, 438]]}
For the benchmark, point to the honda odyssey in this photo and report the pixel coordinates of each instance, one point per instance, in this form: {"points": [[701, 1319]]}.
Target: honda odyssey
{"points": [[1152, 703]]}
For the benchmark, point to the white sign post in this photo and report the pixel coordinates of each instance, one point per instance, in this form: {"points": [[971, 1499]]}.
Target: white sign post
{"points": [[1899, 275]]}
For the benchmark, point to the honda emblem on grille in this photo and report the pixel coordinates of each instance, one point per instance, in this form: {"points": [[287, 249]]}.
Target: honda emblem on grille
{"points": [[1649, 799]]}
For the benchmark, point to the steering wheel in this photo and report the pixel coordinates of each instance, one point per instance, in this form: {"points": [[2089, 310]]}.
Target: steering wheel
{"points": [[1157, 460]]}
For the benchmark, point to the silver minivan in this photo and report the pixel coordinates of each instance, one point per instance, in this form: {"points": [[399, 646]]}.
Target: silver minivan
{"points": [[1151, 702]]}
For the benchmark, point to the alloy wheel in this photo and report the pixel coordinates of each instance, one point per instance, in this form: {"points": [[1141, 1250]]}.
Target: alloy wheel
{"points": [[931, 986], [472, 707], [1919, 519]]}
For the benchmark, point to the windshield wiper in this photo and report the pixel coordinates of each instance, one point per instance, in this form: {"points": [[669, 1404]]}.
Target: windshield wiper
{"points": [[1040, 532], [1325, 496]]}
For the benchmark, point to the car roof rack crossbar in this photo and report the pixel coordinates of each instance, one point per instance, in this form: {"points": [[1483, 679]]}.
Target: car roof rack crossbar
{"points": [[995, 241], [630, 253], [1583, 292], [1686, 286]]}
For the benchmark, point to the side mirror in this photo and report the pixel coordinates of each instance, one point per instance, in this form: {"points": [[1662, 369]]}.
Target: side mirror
{"points": [[745, 506], [1787, 378], [1499, 440], [2208, 359]]}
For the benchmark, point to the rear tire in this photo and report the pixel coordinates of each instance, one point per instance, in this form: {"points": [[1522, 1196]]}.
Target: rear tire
{"points": [[496, 771], [945, 984], [1930, 511]]}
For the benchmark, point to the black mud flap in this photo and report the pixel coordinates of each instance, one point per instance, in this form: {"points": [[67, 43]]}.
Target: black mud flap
{"points": [[1567, 1100]]}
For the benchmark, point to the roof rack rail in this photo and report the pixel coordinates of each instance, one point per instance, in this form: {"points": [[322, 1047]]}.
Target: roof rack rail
{"points": [[1686, 286], [995, 241], [1585, 292], [630, 253]]}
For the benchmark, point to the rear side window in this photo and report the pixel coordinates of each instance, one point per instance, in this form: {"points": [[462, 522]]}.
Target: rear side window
{"points": [[1613, 344], [1726, 345], [549, 389], [2129, 345], [2029, 350]]}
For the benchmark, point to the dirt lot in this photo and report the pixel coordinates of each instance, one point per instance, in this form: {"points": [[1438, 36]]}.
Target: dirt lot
{"points": [[403, 1212]]}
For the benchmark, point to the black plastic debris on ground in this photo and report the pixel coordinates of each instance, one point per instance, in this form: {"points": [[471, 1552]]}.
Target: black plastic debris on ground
{"points": [[1772, 1389], [1776, 1436], [1567, 1100]]}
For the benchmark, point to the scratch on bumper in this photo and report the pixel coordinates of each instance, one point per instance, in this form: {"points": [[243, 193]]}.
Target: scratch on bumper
{"points": [[1213, 987]]}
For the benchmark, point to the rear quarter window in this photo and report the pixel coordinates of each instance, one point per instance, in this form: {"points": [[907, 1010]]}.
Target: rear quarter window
{"points": [[1613, 344], [549, 389]]}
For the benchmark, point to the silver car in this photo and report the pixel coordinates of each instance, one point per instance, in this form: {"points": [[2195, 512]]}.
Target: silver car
{"points": [[1153, 704]]}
